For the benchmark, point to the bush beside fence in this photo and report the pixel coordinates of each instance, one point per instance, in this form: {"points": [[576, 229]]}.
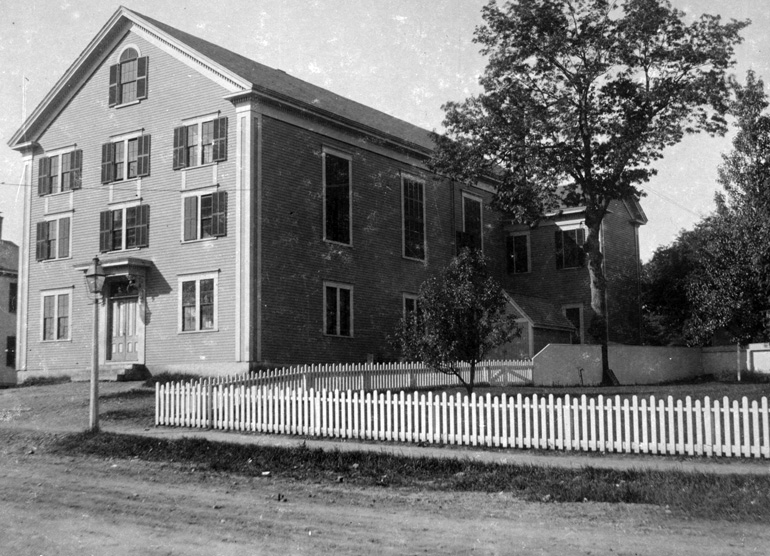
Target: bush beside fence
{"points": [[653, 426]]}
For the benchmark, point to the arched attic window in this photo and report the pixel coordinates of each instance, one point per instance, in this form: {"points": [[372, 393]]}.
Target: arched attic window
{"points": [[128, 78]]}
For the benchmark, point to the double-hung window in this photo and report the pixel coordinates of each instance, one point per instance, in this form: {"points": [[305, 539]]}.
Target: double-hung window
{"points": [[124, 228], [472, 221], [574, 314], [204, 215], [198, 302], [413, 195], [59, 172], [338, 309], [337, 179], [57, 307], [53, 238], [569, 247], [126, 159], [200, 142], [517, 247], [128, 78]]}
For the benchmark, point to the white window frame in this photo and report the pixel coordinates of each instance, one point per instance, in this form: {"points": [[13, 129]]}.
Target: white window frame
{"points": [[122, 207], [339, 286], [414, 297], [480, 201], [404, 178], [123, 140], [55, 294], [529, 252], [58, 218], [57, 153], [202, 192], [349, 158], [568, 226], [582, 317], [118, 56], [197, 278], [199, 121]]}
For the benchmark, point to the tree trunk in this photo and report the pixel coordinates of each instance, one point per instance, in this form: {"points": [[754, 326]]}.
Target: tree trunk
{"points": [[598, 328]]}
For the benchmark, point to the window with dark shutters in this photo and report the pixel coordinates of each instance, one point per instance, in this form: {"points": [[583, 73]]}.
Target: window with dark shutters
{"points": [[114, 97], [64, 238], [44, 176], [105, 231], [220, 139], [128, 78], [142, 68], [143, 226], [190, 218], [108, 162], [143, 160], [219, 214], [180, 148], [41, 245]]}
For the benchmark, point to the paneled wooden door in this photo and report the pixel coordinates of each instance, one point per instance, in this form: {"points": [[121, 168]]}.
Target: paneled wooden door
{"points": [[124, 329]]}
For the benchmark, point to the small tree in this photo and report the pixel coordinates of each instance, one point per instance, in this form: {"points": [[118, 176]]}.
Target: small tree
{"points": [[460, 316]]}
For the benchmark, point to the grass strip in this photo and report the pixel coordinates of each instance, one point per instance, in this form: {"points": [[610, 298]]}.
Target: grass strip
{"points": [[698, 495]]}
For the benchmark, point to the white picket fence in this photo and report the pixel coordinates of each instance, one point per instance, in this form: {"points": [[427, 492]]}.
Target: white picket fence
{"points": [[389, 376], [650, 426]]}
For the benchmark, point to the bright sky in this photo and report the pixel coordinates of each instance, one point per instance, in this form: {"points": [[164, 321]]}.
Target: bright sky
{"points": [[403, 57]]}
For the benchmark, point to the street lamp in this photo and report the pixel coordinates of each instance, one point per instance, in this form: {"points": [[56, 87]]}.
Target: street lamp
{"points": [[95, 282]]}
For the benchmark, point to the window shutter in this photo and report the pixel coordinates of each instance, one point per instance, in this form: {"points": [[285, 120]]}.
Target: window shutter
{"points": [[41, 246], [114, 85], [44, 176], [220, 139], [64, 238], [509, 252], [143, 158], [76, 172], [219, 216], [559, 249], [105, 231], [190, 218], [143, 226], [108, 162], [180, 148], [142, 67]]}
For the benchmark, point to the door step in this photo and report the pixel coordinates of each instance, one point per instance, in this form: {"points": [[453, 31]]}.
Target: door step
{"points": [[133, 372]]}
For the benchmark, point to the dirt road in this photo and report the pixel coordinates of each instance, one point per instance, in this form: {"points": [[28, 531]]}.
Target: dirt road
{"points": [[56, 505]]}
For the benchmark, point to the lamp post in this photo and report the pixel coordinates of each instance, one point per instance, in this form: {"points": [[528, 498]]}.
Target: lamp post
{"points": [[95, 282]]}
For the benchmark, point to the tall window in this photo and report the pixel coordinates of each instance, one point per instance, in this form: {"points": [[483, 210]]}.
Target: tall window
{"points": [[124, 228], [60, 172], [574, 314], [413, 192], [517, 253], [198, 303], [128, 78], [126, 159], [472, 221], [205, 215], [56, 316], [13, 297], [10, 352], [569, 248], [53, 239], [338, 309], [201, 142], [337, 202]]}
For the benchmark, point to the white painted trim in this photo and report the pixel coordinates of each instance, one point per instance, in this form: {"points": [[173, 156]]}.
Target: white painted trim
{"points": [[404, 176], [197, 277], [349, 157], [56, 293], [404, 297], [22, 309], [58, 218], [119, 52], [198, 192], [338, 286]]}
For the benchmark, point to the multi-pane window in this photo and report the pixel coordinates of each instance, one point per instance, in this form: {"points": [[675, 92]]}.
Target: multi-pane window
{"points": [[124, 228], [569, 248], [202, 142], [60, 172], [128, 78], [56, 316], [126, 159], [53, 239], [411, 309], [472, 221], [413, 193], [337, 201], [338, 309], [517, 247], [205, 215], [198, 303], [574, 314], [13, 297]]}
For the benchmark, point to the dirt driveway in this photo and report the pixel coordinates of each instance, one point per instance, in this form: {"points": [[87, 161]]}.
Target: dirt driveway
{"points": [[56, 505]]}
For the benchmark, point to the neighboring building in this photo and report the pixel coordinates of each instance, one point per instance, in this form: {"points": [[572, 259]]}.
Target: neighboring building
{"points": [[9, 280], [244, 217]]}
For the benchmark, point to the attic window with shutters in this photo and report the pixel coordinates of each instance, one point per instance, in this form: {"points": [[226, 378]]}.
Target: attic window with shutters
{"points": [[126, 159], [200, 142], [128, 78]]}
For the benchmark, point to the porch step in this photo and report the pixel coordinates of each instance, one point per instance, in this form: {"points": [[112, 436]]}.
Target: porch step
{"points": [[133, 372]]}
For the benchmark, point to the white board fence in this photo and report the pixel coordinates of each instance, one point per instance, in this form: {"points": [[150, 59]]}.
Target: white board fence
{"points": [[648, 425]]}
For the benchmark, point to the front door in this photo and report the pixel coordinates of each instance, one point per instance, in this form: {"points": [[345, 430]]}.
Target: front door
{"points": [[123, 328]]}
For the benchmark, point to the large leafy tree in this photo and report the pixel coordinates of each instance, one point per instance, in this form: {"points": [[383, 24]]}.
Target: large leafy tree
{"points": [[460, 316], [579, 97]]}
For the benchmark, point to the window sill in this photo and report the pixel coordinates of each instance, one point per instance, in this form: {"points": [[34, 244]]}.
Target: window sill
{"points": [[338, 336], [126, 181], [200, 240], [199, 166], [55, 260], [413, 259], [332, 242], [127, 104], [208, 331], [122, 250], [63, 340]]}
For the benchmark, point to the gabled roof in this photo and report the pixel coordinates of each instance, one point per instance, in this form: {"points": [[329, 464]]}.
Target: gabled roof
{"points": [[242, 72], [541, 313]]}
